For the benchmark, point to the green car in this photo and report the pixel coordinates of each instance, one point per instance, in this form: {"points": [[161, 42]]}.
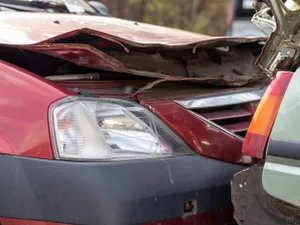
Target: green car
{"points": [[268, 193]]}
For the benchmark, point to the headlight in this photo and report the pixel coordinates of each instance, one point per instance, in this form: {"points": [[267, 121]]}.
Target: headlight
{"points": [[109, 129]]}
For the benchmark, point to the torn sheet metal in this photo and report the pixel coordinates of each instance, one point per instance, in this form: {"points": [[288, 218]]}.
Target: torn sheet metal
{"points": [[79, 54], [218, 81], [139, 49]]}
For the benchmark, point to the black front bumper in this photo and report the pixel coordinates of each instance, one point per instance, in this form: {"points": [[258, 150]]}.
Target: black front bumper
{"points": [[112, 193]]}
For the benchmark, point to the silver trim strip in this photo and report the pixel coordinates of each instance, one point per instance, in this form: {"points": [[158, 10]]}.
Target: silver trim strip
{"points": [[292, 170], [218, 126], [223, 100]]}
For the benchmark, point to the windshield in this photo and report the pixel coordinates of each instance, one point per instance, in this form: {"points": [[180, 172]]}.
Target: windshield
{"points": [[62, 6]]}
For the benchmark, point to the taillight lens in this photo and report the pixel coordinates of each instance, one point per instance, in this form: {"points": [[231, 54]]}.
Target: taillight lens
{"points": [[263, 119]]}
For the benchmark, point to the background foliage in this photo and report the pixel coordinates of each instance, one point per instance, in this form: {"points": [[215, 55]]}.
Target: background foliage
{"points": [[202, 16]]}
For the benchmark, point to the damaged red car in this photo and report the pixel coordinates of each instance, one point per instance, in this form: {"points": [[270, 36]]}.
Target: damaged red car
{"points": [[114, 122]]}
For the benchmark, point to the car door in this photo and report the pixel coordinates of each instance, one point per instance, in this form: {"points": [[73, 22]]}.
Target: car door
{"points": [[281, 172]]}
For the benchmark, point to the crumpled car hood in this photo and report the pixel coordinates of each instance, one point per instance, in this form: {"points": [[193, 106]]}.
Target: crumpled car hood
{"points": [[30, 28], [105, 43]]}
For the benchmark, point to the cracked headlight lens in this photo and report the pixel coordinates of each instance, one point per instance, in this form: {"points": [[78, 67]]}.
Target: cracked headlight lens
{"points": [[110, 129]]}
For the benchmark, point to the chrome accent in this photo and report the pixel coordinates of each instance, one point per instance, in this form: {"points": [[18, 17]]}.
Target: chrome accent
{"points": [[217, 126], [74, 77], [223, 100]]}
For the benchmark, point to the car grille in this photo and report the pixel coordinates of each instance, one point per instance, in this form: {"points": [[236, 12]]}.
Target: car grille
{"points": [[231, 112], [234, 118]]}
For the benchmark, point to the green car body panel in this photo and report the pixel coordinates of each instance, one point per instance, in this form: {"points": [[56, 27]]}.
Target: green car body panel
{"points": [[281, 173]]}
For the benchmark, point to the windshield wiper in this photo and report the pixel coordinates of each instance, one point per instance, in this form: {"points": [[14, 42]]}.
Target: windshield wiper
{"points": [[21, 8]]}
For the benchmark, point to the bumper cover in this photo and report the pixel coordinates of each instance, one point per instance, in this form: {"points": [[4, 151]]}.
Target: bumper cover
{"points": [[110, 193], [253, 205]]}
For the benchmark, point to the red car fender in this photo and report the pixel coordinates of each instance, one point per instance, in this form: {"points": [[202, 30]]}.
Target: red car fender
{"points": [[24, 103]]}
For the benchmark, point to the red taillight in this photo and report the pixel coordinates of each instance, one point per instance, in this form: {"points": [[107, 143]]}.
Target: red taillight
{"points": [[263, 119]]}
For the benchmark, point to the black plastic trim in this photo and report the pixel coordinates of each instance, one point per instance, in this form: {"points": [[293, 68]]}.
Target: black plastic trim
{"points": [[285, 149], [111, 193]]}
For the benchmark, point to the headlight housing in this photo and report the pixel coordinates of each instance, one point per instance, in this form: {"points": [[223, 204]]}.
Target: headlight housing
{"points": [[108, 129]]}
